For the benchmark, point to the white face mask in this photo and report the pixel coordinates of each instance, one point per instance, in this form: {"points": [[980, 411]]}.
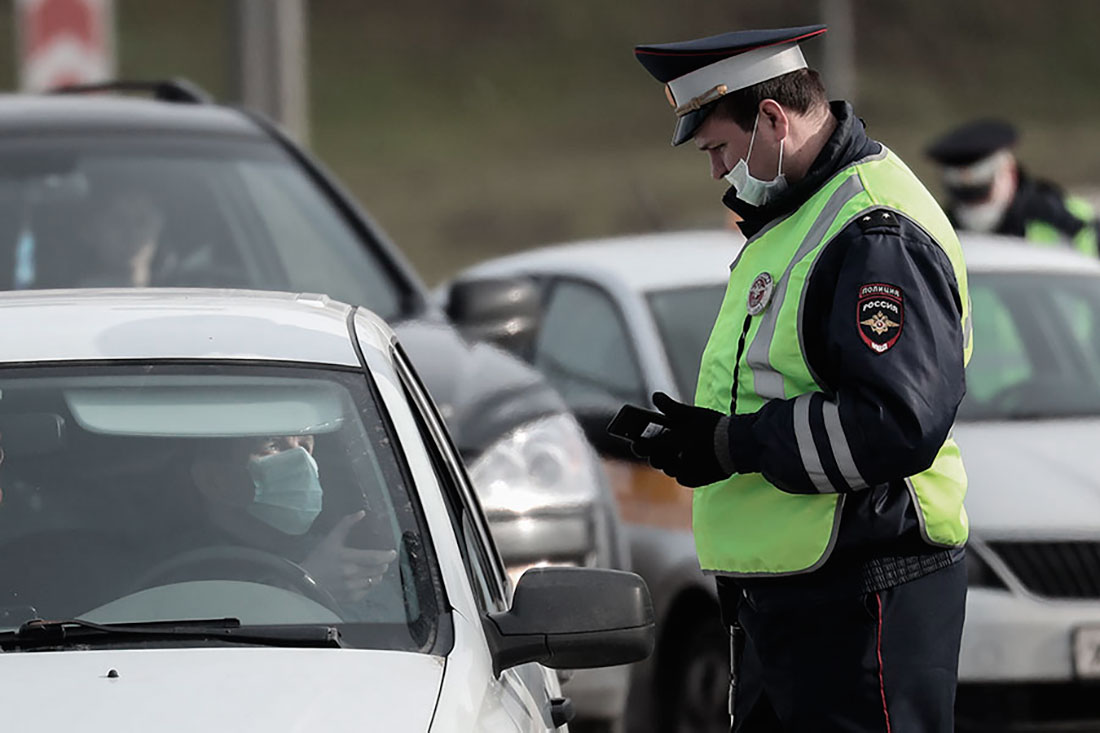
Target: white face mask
{"points": [[754, 191], [288, 490], [985, 216]]}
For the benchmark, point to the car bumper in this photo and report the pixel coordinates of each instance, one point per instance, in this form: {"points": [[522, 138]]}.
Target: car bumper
{"points": [[1009, 637], [1017, 670]]}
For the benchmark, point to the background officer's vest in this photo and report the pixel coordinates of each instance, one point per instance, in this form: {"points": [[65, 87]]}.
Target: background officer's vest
{"points": [[745, 525], [1042, 232]]}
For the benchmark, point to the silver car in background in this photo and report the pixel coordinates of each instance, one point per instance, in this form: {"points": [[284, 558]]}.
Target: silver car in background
{"points": [[617, 319]]}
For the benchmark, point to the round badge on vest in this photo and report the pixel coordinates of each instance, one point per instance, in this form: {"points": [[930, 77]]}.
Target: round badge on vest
{"points": [[760, 293]]}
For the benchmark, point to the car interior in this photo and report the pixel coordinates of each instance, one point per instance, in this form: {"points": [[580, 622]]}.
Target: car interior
{"points": [[99, 504]]}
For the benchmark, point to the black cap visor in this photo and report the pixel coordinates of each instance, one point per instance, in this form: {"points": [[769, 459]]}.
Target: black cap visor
{"points": [[687, 125]]}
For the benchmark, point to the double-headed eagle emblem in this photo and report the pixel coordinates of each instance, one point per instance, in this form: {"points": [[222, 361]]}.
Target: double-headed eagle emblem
{"points": [[879, 323]]}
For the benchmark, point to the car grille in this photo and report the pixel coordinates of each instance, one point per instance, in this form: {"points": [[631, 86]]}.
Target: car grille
{"points": [[1054, 569]]}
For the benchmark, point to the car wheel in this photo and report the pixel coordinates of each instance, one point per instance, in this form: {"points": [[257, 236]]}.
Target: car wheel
{"points": [[698, 681]]}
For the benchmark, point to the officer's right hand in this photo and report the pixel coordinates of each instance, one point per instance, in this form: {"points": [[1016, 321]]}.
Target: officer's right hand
{"points": [[661, 447], [685, 449]]}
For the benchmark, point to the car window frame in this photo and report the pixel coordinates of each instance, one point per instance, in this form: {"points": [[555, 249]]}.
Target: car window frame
{"points": [[457, 490]]}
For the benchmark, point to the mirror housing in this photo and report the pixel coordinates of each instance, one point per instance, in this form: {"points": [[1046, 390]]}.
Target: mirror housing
{"points": [[504, 311], [573, 618]]}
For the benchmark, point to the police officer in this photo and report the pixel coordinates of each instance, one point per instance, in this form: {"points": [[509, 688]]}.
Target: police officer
{"points": [[828, 490], [988, 191]]}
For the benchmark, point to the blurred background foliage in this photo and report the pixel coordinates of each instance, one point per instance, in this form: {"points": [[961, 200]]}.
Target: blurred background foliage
{"points": [[473, 128]]}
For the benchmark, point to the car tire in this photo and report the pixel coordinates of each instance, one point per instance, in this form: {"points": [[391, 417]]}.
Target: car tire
{"points": [[697, 680]]}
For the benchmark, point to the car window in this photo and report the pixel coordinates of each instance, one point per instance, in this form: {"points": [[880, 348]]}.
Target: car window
{"points": [[295, 220], [584, 350], [684, 317], [152, 210], [482, 562], [1036, 346], [268, 494], [1000, 357]]}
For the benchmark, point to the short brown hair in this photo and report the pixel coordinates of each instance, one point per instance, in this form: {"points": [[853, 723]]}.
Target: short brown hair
{"points": [[799, 91]]}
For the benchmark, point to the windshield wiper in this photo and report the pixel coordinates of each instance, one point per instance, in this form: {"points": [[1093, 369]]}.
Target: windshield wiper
{"points": [[40, 633]]}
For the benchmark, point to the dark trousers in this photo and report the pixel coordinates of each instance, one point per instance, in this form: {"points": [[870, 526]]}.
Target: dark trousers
{"points": [[884, 662]]}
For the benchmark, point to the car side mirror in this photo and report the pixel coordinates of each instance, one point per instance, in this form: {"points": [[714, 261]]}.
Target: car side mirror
{"points": [[573, 618], [504, 311]]}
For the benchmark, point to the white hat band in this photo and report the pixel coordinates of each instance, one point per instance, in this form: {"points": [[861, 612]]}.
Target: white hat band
{"points": [[737, 72], [977, 173]]}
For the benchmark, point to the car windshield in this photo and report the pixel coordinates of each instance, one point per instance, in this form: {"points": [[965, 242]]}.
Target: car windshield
{"points": [[153, 210], [272, 495], [1036, 343]]}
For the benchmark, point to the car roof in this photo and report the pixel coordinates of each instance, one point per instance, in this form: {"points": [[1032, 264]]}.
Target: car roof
{"points": [[671, 260], [643, 261], [38, 114], [155, 324]]}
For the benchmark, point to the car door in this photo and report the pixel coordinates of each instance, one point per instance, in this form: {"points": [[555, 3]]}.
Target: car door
{"points": [[585, 349], [522, 694]]}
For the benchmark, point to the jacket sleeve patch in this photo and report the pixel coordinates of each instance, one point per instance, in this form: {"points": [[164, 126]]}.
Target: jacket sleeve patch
{"points": [[880, 315]]}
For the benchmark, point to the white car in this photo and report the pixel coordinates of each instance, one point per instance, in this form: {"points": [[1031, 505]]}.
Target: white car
{"points": [[241, 511], [621, 318]]}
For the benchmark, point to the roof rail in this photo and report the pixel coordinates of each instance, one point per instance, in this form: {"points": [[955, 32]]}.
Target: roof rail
{"points": [[181, 91]]}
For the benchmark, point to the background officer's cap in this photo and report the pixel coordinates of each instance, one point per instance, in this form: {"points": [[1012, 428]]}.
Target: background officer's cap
{"points": [[971, 142], [698, 73]]}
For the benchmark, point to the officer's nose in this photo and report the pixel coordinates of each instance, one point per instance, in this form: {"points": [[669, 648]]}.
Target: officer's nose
{"points": [[717, 164]]}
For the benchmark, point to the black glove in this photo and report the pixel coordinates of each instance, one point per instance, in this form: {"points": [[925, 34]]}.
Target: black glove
{"points": [[686, 448]]}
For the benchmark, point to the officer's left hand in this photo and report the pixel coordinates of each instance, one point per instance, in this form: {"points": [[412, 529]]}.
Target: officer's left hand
{"points": [[685, 450]]}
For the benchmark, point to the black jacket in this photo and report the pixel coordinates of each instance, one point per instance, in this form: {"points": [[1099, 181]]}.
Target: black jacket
{"points": [[896, 407]]}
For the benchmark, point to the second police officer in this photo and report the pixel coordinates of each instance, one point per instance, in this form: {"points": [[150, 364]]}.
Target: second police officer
{"points": [[989, 191], [829, 493]]}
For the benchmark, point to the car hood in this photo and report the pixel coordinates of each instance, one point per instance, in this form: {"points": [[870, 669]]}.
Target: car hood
{"points": [[241, 690], [482, 391], [1036, 478]]}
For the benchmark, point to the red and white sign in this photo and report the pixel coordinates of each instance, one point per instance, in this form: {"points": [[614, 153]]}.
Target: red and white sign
{"points": [[64, 42]]}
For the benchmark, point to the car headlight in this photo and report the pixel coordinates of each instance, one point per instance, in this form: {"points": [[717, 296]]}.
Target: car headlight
{"points": [[540, 486], [545, 465]]}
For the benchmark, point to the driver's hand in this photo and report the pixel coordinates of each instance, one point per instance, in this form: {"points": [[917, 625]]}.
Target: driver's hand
{"points": [[346, 571]]}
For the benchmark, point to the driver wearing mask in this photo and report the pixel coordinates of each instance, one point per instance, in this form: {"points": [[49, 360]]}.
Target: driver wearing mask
{"points": [[266, 493]]}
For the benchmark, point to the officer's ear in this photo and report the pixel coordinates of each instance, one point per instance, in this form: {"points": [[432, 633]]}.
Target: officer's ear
{"points": [[773, 120]]}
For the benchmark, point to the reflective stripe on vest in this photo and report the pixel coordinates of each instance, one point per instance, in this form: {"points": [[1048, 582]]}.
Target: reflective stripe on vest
{"points": [[745, 525]]}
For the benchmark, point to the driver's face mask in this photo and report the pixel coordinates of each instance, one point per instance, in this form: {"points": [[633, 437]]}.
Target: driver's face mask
{"points": [[754, 191], [288, 490]]}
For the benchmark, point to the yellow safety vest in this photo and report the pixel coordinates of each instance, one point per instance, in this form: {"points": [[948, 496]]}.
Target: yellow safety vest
{"points": [[745, 525]]}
